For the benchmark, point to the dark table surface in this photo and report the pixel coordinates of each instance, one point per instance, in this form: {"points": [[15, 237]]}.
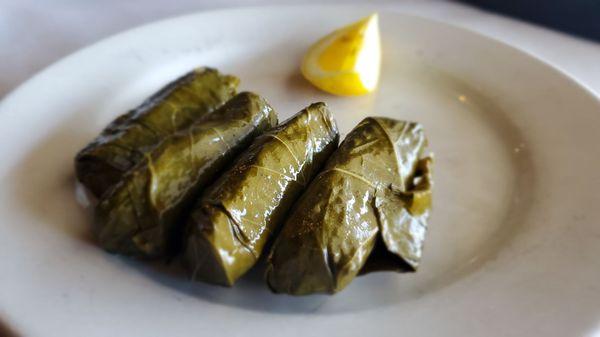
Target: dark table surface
{"points": [[578, 17]]}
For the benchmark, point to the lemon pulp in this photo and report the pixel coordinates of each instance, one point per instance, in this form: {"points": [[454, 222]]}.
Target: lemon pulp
{"points": [[347, 61]]}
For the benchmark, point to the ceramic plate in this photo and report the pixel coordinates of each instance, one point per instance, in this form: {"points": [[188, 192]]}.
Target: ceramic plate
{"points": [[514, 238]]}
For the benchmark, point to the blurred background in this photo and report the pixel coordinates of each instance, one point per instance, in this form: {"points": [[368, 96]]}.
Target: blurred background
{"points": [[578, 17]]}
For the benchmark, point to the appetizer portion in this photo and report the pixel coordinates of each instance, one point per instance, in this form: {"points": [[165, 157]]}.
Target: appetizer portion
{"points": [[124, 142], [375, 191], [237, 214], [142, 215]]}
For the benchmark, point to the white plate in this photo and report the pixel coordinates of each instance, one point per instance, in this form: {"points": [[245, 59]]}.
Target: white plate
{"points": [[514, 239]]}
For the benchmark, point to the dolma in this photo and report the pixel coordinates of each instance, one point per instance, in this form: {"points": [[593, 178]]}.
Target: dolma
{"points": [[236, 216], [365, 211], [122, 144], [141, 215]]}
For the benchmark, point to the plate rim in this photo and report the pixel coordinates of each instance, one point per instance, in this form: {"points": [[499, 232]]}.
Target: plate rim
{"points": [[548, 66], [553, 67]]}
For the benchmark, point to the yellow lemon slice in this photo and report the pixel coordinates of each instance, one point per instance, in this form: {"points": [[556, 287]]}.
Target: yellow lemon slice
{"points": [[347, 61]]}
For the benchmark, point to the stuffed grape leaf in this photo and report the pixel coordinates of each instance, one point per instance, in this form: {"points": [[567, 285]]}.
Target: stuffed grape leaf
{"points": [[143, 214], [375, 191], [236, 216], [124, 142]]}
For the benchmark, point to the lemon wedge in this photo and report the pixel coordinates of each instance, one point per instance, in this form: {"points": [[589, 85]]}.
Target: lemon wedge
{"points": [[347, 61]]}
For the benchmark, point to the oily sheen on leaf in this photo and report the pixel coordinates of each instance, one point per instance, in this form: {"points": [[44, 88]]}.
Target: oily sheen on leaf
{"points": [[125, 141], [237, 214], [361, 200], [143, 214]]}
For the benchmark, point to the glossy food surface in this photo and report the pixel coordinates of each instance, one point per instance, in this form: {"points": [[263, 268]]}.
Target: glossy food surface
{"points": [[364, 195], [236, 215], [512, 223], [347, 61], [141, 216], [123, 142]]}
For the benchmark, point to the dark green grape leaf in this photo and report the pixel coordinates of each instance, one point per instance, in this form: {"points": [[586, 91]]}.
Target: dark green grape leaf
{"points": [[124, 142], [142, 214], [236, 216], [337, 222]]}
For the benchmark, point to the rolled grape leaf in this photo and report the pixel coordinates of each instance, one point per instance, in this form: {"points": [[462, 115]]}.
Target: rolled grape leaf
{"points": [[142, 215], [373, 191], [235, 216], [122, 144], [399, 245]]}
